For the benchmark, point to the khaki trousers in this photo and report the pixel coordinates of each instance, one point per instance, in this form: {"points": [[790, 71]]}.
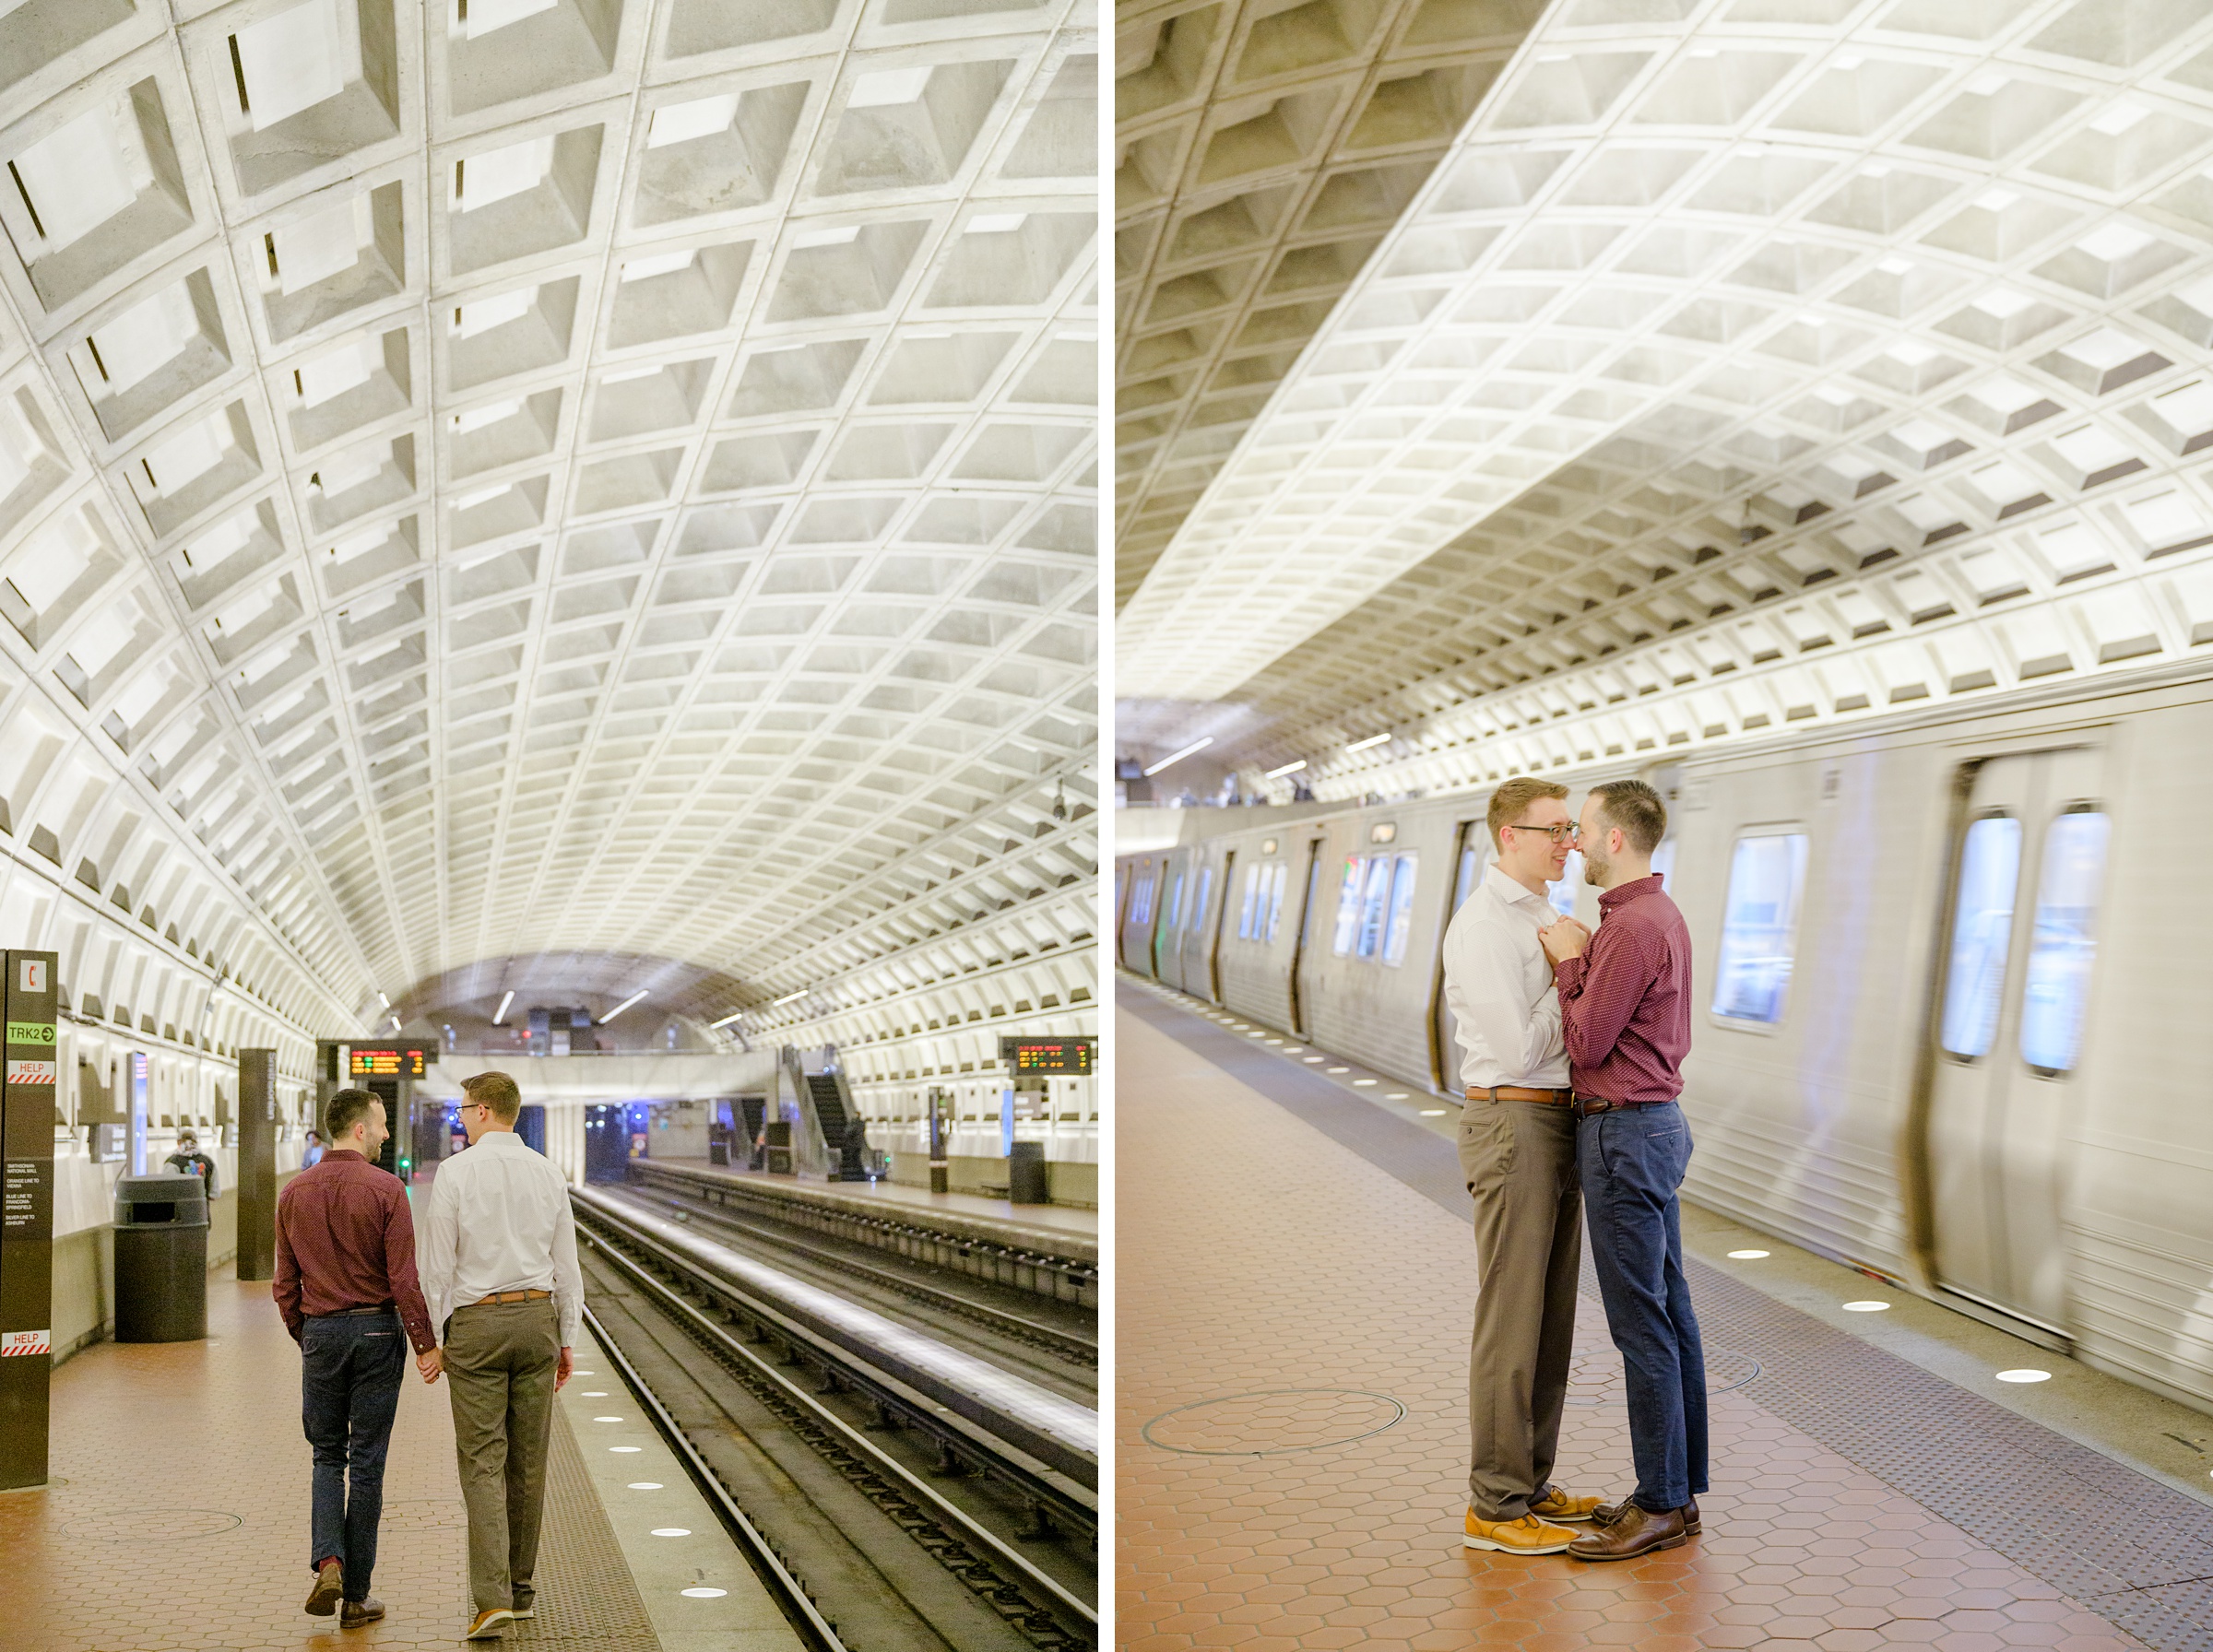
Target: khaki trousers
{"points": [[500, 1360], [1519, 1160]]}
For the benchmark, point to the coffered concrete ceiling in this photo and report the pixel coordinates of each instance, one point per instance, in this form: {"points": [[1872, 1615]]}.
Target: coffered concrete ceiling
{"points": [[1742, 363], [496, 481]]}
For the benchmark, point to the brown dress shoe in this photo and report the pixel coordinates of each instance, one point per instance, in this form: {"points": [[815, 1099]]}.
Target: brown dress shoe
{"points": [[367, 1610], [1606, 1514], [1635, 1532], [330, 1587]]}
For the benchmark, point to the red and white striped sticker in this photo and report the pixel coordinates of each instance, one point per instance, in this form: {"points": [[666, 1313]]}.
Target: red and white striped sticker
{"points": [[30, 1072], [25, 1342]]}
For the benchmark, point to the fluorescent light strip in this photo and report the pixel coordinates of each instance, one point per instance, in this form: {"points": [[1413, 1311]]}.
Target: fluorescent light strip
{"points": [[726, 1020], [1199, 745], [789, 998], [619, 1008], [502, 1013], [1286, 769], [1373, 740]]}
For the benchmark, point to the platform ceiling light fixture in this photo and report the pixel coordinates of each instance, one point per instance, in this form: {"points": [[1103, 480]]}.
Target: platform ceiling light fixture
{"points": [[789, 998], [619, 1008], [383, 1000], [396, 1023], [501, 1014], [726, 1020], [1286, 769], [1199, 745], [1373, 740]]}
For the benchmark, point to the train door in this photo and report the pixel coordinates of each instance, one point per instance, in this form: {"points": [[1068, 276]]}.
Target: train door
{"points": [[2015, 985], [1467, 872], [1213, 947], [1305, 936]]}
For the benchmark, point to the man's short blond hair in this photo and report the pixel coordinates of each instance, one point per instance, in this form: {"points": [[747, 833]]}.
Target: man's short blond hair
{"points": [[1512, 799], [495, 1090]]}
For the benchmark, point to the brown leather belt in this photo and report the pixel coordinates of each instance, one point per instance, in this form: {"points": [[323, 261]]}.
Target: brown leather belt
{"points": [[1585, 1105], [1515, 1093], [508, 1296]]}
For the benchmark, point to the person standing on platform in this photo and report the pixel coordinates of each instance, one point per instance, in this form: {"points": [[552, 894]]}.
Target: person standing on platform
{"points": [[311, 1154], [1516, 1151], [188, 1159], [346, 1286], [499, 1267], [1624, 1013]]}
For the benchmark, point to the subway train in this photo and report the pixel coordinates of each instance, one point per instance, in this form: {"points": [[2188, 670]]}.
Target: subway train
{"points": [[1954, 974]]}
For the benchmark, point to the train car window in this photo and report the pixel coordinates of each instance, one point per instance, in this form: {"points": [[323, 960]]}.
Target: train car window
{"points": [[1562, 894], [1176, 904], [1275, 900], [1401, 911], [1990, 871], [1140, 904], [1348, 905], [1470, 874], [1206, 893], [1663, 858], [1252, 884], [1760, 927], [1375, 892], [2061, 947]]}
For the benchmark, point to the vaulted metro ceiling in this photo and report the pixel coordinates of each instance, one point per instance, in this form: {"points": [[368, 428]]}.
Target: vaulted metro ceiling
{"points": [[540, 480], [1742, 364]]}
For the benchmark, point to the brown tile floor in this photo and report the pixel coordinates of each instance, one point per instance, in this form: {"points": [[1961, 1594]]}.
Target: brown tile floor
{"points": [[180, 1515], [1258, 1259]]}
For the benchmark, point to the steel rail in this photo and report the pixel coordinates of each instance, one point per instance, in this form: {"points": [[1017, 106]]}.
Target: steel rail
{"points": [[789, 1594], [1033, 1481]]}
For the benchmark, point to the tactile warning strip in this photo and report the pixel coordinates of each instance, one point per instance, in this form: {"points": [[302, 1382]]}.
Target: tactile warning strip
{"points": [[587, 1595], [2138, 1553]]}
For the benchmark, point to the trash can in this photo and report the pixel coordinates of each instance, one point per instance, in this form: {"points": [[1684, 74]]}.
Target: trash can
{"points": [[1025, 1174], [161, 1258]]}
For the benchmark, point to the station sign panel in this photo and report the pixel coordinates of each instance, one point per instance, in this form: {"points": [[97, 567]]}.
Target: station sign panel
{"points": [[1072, 1057], [404, 1061], [27, 1093]]}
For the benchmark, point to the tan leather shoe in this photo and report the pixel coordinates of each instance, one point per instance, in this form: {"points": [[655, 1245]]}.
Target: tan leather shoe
{"points": [[330, 1588], [367, 1610], [1528, 1535], [1555, 1504], [1634, 1532], [489, 1624], [1606, 1514]]}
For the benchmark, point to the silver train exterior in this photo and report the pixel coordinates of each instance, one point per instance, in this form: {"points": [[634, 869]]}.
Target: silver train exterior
{"points": [[1975, 1059]]}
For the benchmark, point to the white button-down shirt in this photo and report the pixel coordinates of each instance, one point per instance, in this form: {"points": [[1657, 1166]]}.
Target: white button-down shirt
{"points": [[1506, 1012], [500, 1221]]}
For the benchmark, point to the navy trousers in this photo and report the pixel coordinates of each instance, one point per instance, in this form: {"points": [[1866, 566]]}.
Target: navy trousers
{"points": [[1631, 1163], [350, 1366]]}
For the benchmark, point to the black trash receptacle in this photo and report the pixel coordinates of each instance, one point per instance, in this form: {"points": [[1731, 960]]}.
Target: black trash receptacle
{"points": [[161, 1258], [1025, 1174]]}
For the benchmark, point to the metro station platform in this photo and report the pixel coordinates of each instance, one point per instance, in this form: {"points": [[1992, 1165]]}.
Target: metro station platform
{"points": [[1064, 1220], [177, 1517], [1293, 1300]]}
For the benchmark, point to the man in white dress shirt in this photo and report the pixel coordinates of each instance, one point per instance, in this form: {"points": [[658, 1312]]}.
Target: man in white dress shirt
{"points": [[1517, 1151], [497, 1259]]}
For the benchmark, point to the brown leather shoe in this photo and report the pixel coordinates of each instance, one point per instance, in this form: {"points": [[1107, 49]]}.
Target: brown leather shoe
{"points": [[1606, 1514], [367, 1610], [330, 1588], [1635, 1531]]}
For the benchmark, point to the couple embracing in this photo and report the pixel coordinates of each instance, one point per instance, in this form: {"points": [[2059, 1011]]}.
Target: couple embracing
{"points": [[1571, 1050]]}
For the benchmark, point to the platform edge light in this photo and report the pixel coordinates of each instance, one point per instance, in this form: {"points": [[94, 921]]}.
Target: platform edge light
{"points": [[1198, 745], [1286, 769], [619, 1008]]}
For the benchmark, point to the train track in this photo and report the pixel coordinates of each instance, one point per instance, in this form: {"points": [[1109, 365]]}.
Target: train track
{"points": [[903, 1522], [1060, 1341]]}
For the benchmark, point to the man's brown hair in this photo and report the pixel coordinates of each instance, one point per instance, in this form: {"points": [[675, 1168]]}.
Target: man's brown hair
{"points": [[345, 1110], [1636, 809], [496, 1090], [1511, 799]]}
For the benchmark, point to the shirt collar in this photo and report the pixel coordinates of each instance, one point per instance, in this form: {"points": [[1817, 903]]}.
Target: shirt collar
{"points": [[1495, 879], [1622, 893], [345, 1153]]}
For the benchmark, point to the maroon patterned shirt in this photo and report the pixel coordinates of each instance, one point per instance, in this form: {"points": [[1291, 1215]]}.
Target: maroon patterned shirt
{"points": [[346, 1239], [1625, 1003]]}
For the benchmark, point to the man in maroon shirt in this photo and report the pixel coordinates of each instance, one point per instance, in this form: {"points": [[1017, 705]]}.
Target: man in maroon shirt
{"points": [[1624, 1014], [346, 1286]]}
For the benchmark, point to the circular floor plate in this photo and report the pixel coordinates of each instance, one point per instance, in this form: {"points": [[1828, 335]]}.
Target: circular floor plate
{"points": [[1273, 1421]]}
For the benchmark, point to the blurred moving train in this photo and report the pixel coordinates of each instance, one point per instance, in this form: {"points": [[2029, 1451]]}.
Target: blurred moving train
{"points": [[1954, 977]]}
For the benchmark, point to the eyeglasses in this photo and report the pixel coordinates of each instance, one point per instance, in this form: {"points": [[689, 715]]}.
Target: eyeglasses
{"points": [[1559, 834]]}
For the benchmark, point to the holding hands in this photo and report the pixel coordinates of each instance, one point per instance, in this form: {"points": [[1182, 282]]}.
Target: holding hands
{"points": [[1564, 940], [431, 1364]]}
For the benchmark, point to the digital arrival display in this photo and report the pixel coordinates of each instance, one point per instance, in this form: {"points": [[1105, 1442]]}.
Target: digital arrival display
{"points": [[1071, 1056], [402, 1063]]}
